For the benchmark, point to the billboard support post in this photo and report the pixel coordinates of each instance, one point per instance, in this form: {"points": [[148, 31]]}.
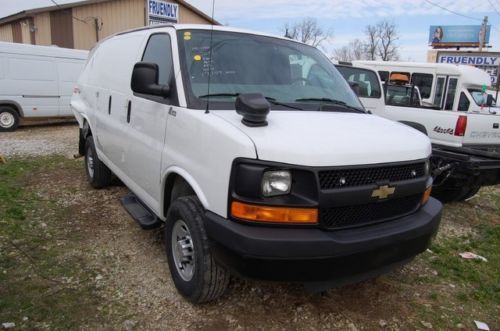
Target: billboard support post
{"points": [[482, 33]]}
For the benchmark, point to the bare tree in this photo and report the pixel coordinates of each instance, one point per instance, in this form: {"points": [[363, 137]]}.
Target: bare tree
{"points": [[372, 41], [355, 50], [307, 31], [388, 36]]}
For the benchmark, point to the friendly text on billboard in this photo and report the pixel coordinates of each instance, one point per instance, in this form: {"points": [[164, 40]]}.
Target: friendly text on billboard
{"points": [[160, 12]]}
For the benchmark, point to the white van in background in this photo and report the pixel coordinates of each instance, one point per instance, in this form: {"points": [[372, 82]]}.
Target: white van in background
{"points": [[36, 81]]}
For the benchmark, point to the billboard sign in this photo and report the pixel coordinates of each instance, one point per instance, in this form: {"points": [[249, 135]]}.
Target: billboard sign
{"points": [[489, 62], [160, 12], [457, 34]]}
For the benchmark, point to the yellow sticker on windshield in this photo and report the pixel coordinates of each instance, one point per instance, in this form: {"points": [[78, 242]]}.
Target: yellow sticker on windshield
{"points": [[187, 37], [187, 33], [197, 57]]}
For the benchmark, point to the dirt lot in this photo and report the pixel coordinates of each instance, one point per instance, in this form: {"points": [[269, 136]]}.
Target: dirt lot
{"points": [[72, 258]]}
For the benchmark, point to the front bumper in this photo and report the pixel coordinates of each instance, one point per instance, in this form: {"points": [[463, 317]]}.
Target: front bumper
{"points": [[305, 255]]}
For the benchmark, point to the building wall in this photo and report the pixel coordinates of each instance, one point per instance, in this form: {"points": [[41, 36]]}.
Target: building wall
{"points": [[187, 16], [42, 24], [6, 33], [114, 16], [25, 32]]}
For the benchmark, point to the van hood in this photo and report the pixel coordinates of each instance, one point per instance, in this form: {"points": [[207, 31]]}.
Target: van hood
{"points": [[332, 139]]}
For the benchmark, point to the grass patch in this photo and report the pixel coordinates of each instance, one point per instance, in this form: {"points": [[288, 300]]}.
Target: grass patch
{"points": [[45, 281]]}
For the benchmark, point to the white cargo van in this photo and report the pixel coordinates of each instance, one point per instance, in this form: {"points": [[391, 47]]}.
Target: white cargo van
{"points": [[466, 140], [36, 82], [256, 161]]}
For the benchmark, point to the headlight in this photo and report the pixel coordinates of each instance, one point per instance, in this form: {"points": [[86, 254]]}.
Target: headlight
{"points": [[276, 182]]}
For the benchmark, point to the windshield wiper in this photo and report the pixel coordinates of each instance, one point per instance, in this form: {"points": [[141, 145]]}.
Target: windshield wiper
{"points": [[229, 95], [333, 101], [277, 103]]}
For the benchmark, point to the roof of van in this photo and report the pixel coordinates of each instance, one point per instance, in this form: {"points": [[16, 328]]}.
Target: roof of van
{"points": [[468, 74], [52, 51], [202, 27]]}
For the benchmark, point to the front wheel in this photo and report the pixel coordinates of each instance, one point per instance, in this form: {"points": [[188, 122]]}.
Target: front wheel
{"points": [[194, 271], [9, 119]]}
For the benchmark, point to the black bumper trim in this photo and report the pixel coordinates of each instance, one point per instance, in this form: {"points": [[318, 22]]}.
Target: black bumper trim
{"points": [[299, 254]]}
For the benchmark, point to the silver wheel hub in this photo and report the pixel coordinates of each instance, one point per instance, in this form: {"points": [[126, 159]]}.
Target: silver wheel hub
{"points": [[90, 163], [183, 250], [6, 120]]}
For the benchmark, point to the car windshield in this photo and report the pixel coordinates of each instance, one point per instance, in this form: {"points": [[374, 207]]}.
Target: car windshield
{"points": [[287, 73], [479, 96]]}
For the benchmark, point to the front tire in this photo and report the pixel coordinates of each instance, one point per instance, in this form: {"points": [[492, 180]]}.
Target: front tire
{"points": [[9, 119], [194, 271], [98, 174]]}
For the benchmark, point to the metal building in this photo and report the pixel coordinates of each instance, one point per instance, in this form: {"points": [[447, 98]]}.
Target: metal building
{"points": [[81, 24]]}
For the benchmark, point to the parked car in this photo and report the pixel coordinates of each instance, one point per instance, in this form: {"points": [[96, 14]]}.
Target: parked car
{"points": [[256, 155], [466, 142], [36, 82]]}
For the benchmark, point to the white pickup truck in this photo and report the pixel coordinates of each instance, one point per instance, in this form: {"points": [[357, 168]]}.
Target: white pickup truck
{"points": [[465, 138], [254, 162]]}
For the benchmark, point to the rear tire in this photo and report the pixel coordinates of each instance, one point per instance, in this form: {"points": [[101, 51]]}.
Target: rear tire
{"points": [[9, 119], [98, 174], [454, 190], [194, 271]]}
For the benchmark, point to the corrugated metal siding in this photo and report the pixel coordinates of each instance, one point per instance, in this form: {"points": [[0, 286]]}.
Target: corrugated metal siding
{"points": [[42, 34], [17, 34], [6, 33], [61, 27], [25, 32], [115, 16], [187, 16]]}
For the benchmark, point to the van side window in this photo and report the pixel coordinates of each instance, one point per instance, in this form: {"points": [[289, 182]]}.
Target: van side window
{"points": [[384, 75], [367, 83], [159, 51], [463, 103], [450, 94], [438, 96], [424, 83]]}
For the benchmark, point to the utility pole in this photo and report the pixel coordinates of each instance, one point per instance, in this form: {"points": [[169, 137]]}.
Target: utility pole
{"points": [[482, 34]]}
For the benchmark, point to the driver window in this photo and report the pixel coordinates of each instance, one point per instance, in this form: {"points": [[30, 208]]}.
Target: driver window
{"points": [[159, 51]]}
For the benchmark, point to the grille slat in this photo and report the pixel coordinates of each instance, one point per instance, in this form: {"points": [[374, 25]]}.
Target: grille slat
{"points": [[340, 178], [357, 215]]}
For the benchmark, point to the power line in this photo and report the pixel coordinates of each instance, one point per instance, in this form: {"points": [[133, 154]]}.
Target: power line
{"points": [[494, 8], [456, 13]]}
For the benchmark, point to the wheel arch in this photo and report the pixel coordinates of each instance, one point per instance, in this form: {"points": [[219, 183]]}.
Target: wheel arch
{"points": [[16, 106], [174, 177]]}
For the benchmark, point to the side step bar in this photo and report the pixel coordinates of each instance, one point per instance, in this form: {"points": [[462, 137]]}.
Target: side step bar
{"points": [[140, 213]]}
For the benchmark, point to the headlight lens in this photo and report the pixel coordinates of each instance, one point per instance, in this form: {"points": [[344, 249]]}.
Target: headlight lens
{"points": [[276, 182]]}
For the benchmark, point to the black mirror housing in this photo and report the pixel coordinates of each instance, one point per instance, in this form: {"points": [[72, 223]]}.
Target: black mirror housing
{"points": [[145, 80], [489, 100], [254, 109]]}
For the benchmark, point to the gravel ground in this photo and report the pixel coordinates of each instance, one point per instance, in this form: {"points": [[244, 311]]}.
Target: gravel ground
{"points": [[60, 139]]}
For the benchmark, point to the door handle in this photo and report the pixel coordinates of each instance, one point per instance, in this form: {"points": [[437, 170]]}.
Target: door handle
{"points": [[129, 107]]}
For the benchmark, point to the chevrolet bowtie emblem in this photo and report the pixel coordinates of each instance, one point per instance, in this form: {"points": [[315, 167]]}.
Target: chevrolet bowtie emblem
{"points": [[383, 192]]}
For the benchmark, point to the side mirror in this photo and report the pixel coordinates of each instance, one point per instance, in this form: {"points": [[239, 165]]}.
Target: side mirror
{"points": [[254, 109], [145, 80], [489, 100]]}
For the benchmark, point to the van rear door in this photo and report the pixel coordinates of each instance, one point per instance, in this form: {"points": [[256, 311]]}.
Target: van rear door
{"points": [[68, 72]]}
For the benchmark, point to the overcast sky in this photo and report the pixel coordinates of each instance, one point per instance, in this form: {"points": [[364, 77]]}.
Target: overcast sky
{"points": [[346, 19]]}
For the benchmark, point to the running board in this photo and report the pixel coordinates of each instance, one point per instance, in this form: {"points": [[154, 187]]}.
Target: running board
{"points": [[140, 213]]}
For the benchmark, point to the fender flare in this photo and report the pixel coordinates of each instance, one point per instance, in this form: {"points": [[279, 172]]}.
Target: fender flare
{"points": [[14, 104]]}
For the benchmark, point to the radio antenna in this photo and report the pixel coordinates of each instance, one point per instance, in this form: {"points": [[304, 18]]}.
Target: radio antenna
{"points": [[210, 59]]}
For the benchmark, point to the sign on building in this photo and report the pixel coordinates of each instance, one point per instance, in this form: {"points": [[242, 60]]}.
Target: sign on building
{"points": [[486, 61], [160, 12], [457, 34]]}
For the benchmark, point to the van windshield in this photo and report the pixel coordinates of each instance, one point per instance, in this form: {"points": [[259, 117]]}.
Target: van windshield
{"points": [[286, 72]]}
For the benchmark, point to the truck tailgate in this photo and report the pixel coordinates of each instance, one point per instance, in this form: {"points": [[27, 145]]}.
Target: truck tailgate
{"points": [[482, 129]]}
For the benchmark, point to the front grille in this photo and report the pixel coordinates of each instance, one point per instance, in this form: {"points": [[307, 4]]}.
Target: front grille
{"points": [[340, 178], [352, 216]]}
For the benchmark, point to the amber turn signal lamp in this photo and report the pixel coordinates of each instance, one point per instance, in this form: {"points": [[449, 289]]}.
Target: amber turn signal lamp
{"points": [[426, 196], [270, 214]]}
